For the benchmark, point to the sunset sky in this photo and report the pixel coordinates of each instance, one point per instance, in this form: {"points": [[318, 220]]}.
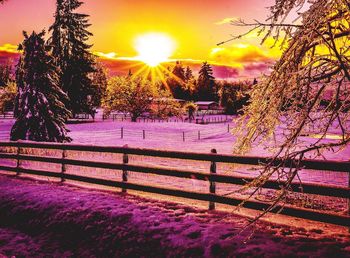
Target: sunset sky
{"points": [[195, 27]]}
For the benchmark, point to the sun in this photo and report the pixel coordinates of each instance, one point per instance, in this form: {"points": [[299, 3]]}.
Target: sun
{"points": [[154, 48]]}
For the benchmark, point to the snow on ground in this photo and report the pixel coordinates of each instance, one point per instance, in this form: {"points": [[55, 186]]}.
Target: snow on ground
{"points": [[41, 219]]}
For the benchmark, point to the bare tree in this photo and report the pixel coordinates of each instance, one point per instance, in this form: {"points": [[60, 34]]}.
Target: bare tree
{"points": [[306, 93]]}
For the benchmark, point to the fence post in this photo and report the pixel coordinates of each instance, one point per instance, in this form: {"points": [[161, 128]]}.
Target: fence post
{"points": [[199, 135], [183, 136], [228, 128], [18, 165], [125, 172], [212, 187], [143, 134], [122, 133], [63, 168]]}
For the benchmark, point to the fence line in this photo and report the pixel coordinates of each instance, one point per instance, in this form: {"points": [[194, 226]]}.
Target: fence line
{"points": [[6, 115], [123, 133], [200, 119], [212, 177]]}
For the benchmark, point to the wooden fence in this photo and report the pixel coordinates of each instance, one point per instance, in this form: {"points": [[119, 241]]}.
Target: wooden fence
{"points": [[6, 115], [212, 176]]}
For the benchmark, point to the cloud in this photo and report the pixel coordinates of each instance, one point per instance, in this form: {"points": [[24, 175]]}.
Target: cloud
{"points": [[249, 59], [8, 54], [9, 48], [254, 67], [111, 55], [238, 54], [226, 20]]}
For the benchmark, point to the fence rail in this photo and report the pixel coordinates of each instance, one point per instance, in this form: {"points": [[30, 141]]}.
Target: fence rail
{"points": [[6, 115], [212, 197]]}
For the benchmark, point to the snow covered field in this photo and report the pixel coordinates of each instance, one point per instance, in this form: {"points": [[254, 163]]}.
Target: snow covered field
{"points": [[169, 136], [50, 220]]}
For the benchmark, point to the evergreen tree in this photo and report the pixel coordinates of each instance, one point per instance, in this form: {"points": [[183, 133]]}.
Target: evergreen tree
{"points": [[188, 74], [69, 36], [177, 82], [179, 72], [206, 86], [40, 112]]}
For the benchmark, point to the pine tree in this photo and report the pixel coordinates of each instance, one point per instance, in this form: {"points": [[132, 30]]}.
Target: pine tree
{"points": [[206, 86], [179, 72], [69, 36], [40, 112], [188, 74], [177, 82]]}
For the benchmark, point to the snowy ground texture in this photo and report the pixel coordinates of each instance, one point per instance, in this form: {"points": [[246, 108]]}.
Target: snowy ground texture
{"points": [[50, 220]]}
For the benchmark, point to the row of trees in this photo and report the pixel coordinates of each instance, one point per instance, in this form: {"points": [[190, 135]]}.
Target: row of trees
{"points": [[57, 78], [137, 95], [184, 85]]}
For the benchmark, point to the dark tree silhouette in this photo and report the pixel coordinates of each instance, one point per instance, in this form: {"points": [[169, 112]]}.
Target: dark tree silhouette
{"points": [[206, 86], [69, 36], [188, 74], [233, 96], [40, 112], [177, 82]]}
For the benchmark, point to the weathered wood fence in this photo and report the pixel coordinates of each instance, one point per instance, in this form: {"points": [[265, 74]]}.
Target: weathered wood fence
{"points": [[212, 176], [6, 115]]}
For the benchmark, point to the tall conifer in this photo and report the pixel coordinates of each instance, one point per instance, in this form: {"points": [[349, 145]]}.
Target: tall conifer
{"points": [[206, 84], [69, 36], [40, 111]]}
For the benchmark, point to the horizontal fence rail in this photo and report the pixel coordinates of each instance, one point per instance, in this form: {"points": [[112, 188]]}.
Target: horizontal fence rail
{"points": [[212, 177]]}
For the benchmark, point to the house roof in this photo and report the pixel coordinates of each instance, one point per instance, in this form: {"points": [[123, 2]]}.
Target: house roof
{"points": [[206, 102]]}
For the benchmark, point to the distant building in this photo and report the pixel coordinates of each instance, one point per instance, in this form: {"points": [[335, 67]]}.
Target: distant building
{"points": [[207, 105]]}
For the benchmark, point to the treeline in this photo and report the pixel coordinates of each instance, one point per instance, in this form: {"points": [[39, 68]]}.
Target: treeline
{"points": [[183, 85]]}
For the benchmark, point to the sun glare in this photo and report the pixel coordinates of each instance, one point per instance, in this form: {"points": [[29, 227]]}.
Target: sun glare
{"points": [[154, 48]]}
